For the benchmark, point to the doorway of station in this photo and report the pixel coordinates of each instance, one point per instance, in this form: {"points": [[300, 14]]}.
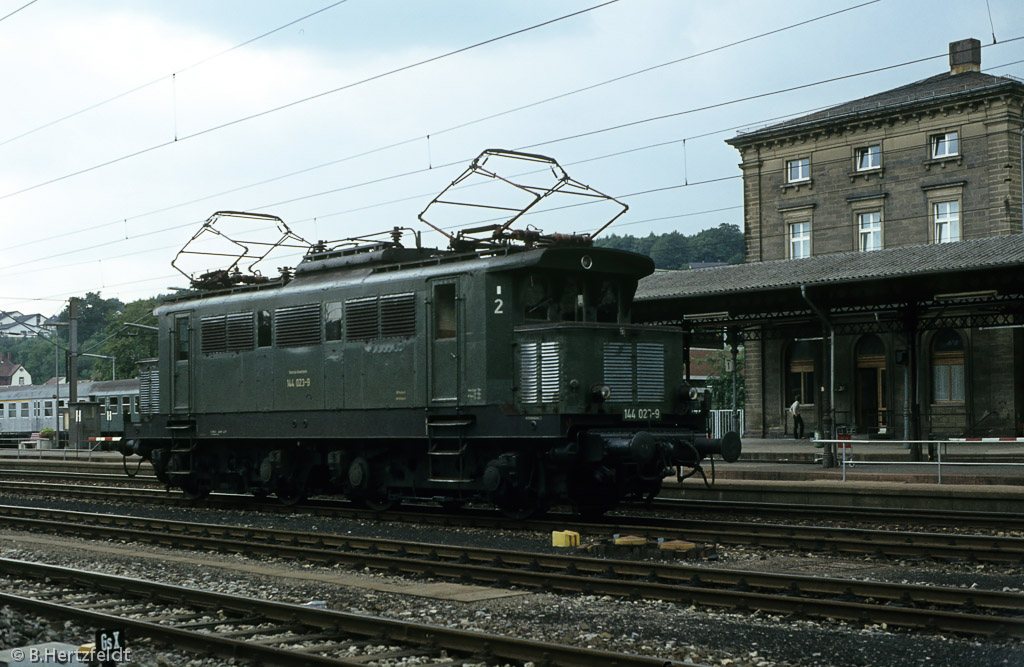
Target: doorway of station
{"points": [[872, 389]]}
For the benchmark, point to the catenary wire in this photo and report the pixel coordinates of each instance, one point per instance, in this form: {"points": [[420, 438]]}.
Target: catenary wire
{"points": [[965, 141], [293, 103], [167, 76], [26, 5], [548, 142], [462, 125]]}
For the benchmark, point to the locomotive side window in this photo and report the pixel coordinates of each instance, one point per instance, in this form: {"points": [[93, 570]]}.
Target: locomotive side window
{"points": [[263, 328], [24, 409], [12, 410], [444, 311], [181, 342], [332, 320], [48, 409]]}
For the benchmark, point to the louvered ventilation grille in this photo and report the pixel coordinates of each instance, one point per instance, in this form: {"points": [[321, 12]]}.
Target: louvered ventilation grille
{"points": [[650, 372], [214, 334], [540, 372], [297, 325], [618, 371], [398, 315], [239, 331], [361, 319], [149, 388], [635, 374]]}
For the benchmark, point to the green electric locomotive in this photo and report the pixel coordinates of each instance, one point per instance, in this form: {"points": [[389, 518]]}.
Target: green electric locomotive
{"points": [[504, 371]]}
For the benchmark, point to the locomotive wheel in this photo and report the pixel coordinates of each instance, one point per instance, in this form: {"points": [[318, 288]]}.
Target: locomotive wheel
{"points": [[379, 503], [195, 490], [523, 502], [592, 492], [289, 497]]}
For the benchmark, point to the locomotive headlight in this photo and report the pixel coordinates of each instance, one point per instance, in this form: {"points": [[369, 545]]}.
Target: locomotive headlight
{"points": [[601, 392], [693, 393]]}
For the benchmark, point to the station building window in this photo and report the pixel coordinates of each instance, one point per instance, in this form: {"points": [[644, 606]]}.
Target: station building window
{"points": [[946, 218], [800, 239], [868, 157], [948, 379], [946, 144], [800, 372], [798, 171], [869, 231]]}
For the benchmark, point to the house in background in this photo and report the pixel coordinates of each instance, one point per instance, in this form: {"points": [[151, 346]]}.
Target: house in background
{"points": [[12, 373], [933, 162], [13, 323]]}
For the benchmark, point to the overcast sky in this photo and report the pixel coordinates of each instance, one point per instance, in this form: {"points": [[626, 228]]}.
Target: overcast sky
{"points": [[103, 200]]}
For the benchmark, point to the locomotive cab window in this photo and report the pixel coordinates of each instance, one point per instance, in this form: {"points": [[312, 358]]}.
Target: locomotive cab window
{"points": [[572, 299]]}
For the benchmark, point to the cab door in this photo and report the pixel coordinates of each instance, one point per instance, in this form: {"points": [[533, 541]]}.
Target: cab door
{"points": [[445, 344], [181, 364]]}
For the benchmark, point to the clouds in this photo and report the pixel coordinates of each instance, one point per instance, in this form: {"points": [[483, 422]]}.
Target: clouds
{"points": [[116, 228]]}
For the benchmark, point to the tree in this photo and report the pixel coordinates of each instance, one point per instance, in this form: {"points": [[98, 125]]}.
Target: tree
{"points": [[721, 381], [128, 345], [677, 251], [36, 354]]}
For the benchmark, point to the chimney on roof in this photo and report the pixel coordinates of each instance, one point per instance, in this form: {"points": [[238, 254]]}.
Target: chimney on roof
{"points": [[964, 56]]}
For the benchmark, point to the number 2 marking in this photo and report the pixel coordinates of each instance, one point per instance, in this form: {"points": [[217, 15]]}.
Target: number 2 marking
{"points": [[498, 304]]}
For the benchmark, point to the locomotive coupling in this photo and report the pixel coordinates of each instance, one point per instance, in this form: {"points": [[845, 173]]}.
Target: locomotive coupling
{"points": [[729, 446], [644, 447]]}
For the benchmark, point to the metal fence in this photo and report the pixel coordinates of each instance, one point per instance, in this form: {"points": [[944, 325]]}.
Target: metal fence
{"points": [[723, 421], [936, 449]]}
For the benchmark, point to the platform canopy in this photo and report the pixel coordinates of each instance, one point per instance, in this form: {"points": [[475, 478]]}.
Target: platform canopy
{"points": [[968, 284]]}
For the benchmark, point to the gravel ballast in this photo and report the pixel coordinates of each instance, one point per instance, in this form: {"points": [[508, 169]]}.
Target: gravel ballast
{"points": [[664, 630]]}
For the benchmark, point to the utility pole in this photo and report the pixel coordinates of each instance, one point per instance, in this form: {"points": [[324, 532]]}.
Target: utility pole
{"points": [[73, 372]]}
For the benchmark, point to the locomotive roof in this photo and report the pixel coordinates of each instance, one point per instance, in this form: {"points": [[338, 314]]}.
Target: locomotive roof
{"points": [[385, 262]]}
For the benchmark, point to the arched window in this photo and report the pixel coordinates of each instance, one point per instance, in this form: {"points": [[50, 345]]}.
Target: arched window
{"points": [[948, 367], [800, 372]]}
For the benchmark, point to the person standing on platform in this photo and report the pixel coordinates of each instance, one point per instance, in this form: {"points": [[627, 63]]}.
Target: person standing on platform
{"points": [[798, 421]]}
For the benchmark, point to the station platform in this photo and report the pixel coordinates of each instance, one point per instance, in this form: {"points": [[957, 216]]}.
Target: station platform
{"points": [[975, 476]]}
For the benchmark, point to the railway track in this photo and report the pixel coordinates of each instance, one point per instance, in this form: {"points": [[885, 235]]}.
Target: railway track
{"points": [[1005, 521], [829, 539], [936, 609], [268, 632]]}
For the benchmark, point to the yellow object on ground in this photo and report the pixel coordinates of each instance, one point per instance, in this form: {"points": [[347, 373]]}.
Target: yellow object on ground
{"points": [[565, 538]]}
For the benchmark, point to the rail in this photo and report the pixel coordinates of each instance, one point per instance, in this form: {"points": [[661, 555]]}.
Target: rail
{"points": [[843, 448]]}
